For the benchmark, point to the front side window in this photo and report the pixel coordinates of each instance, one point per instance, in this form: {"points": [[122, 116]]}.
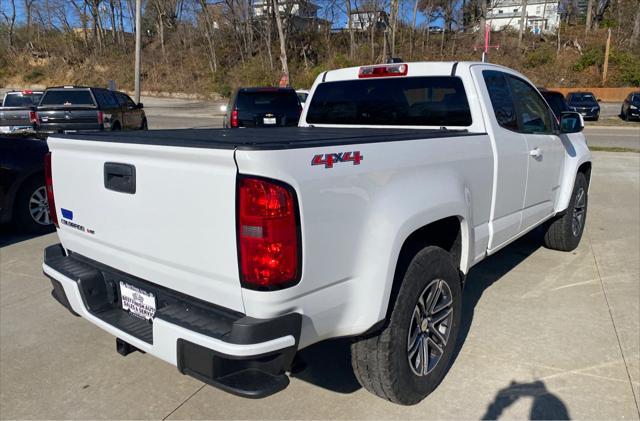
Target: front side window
{"points": [[533, 112], [501, 100], [408, 101]]}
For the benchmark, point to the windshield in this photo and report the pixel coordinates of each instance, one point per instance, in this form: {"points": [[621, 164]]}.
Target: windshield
{"points": [[407, 101], [582, 98], [68, 97], [284, 101], [635, 99], [19, 99]]}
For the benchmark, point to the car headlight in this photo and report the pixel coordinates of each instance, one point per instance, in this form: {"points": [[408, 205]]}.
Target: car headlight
{"points": [[633, 107]]}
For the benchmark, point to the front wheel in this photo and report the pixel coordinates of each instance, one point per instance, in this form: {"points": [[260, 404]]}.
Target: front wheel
{"points": [[565, 231], [31, 211], [410, 356]]}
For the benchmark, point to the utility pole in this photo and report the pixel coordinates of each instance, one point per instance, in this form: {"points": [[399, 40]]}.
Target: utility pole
{"points": [[606, 58], [138, 47]]}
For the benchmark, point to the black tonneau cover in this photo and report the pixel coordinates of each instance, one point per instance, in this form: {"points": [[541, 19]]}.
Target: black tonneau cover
{"points": [[265, 139]]}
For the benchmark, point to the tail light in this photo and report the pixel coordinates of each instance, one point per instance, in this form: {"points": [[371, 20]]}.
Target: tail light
{"points": [[100, 118], [48, 181], [268, 234], [34, 118], [383, 71], [234, 119]]}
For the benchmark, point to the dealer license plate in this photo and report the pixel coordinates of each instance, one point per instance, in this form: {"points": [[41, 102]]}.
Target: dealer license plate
{"points": [[138, 302], [269, 120]]}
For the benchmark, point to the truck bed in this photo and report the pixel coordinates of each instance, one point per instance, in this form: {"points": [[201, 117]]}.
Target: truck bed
{"points": [[265, 139]]}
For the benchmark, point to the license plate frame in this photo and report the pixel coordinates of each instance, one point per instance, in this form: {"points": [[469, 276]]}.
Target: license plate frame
{"points": [[137, 301], [270, 121]]}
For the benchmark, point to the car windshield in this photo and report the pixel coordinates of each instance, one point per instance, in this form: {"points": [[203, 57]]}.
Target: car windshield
{"points": [[582, 98], [272, 101], [408, 101], [21, 100], [635, 99], [67, 97]]}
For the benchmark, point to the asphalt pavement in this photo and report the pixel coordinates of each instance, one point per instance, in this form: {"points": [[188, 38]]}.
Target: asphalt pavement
{"points": [[545, 334]]}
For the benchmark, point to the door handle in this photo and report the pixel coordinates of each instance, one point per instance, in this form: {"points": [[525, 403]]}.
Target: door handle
{"points": [[536, 153], [120, 177]]}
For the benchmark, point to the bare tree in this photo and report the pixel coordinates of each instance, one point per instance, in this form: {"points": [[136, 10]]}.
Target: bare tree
{"points": [[352, 41], [587, 25], [413, 28], [283, 41], [11, 21], [635, 35], [523, 22]]}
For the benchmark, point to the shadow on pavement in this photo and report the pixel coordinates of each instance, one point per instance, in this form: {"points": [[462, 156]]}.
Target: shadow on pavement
{"points": [[328, 364], [545, 405], [10, 235]]}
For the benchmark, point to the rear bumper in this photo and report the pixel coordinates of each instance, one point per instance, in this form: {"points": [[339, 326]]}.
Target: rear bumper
{"points": [[236, 353]]}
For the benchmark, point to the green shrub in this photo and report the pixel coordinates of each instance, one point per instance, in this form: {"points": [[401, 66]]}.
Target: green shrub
{"points": [[591, 57], [539, 57], [628, 67]]}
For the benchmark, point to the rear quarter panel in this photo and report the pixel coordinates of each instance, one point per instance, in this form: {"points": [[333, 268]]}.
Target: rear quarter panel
{"points": [[355, 218]]}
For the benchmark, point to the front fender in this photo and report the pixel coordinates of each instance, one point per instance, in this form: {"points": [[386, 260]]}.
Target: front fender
{"points": [[576, 153]]}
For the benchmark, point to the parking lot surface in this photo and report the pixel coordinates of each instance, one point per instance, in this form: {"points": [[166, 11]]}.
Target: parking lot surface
{"points": [[545, 334]]}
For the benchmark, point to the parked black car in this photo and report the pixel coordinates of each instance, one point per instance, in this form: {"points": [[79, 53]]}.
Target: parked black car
{"points": [[556, 101], [23, 196], [631, 107], [71, 108], [584, 103], [263, 107]]}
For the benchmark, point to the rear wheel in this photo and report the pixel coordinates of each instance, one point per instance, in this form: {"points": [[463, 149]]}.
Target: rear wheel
{"points": [[116, 127], [410, 356], [31, 208], [144, 126], [565, 231]]}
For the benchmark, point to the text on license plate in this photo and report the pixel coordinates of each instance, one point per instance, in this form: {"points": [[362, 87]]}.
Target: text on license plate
{"points": [[269, 120], [137, 301]]}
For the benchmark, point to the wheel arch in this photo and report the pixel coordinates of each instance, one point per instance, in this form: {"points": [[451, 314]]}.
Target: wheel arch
{"points": [[450, 233]]}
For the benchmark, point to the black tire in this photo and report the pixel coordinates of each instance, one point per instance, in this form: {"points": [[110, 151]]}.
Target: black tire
{"points": [[115, 127], [381, 361], [31, 188], [561, 234], [145, 125]]}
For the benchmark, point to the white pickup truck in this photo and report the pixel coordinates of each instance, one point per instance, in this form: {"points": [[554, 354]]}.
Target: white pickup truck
{"points": [[224, 252]]}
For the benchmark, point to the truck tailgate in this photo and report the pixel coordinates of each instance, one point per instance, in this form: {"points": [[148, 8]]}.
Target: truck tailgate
{"points": [[176, 230]]}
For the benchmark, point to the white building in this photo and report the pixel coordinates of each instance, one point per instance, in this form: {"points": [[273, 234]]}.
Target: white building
{"points": [[298, 8], [363, 18], [541, 15]]}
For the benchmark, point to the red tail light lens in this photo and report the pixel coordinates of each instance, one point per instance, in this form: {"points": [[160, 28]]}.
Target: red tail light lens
{"points": [[33, 117], [234, 119], [48, 180], [268, 234], [100, 117], [383, 71]]}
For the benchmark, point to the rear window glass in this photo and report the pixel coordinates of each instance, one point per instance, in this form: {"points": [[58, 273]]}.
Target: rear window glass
{"points": [[582, 98], [20, 100], [267, 101], [556, 102], [67, 97], [411, 101]]}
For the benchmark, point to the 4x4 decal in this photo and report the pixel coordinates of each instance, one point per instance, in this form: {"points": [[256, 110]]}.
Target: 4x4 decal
{"points": [[329, 159]]}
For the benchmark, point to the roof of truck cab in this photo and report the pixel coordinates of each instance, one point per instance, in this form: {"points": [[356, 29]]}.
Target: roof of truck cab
{"points": [[417, 68], [264, 139]]}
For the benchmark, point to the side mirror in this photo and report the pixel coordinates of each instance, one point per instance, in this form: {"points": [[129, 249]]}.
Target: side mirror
{"points": [[223, 108], [140, 105], [571, 122], [599, 100]]}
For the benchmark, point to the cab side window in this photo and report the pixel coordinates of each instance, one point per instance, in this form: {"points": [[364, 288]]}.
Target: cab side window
{"points": [[533, 113], [501, 99]]}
